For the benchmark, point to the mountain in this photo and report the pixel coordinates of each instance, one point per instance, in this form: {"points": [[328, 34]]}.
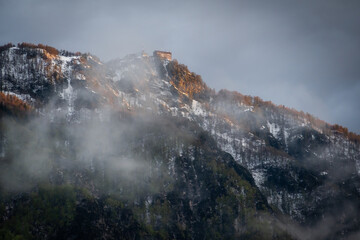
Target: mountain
{"points": [[142, 148]]}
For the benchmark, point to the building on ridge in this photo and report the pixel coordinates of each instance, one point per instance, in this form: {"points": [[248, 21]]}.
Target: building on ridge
{"points": [[162, 55]]}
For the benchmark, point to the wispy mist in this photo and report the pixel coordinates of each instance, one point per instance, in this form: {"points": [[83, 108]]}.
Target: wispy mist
{"points": [[103, 152]]}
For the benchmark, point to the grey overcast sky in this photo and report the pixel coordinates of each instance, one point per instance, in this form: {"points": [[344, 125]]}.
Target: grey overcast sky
{"points": [[303, 54]]}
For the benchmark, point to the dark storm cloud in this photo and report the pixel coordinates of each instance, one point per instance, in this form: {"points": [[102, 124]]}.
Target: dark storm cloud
{"points": [[303, 54]]}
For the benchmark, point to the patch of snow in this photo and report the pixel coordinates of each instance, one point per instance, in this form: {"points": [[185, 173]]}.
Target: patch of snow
{"points": [[165, 63], [286, 136], [323, 173], [274, 129], [249, 109], [68, 93], [258, 177], [197, 109], [80, 76]]}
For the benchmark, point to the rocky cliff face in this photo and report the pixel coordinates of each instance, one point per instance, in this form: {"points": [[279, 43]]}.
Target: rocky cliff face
{"points": [[186, 162]]}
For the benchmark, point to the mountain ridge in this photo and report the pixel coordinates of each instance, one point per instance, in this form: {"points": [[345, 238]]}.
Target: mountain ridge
{"points": [[50, 52]]}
